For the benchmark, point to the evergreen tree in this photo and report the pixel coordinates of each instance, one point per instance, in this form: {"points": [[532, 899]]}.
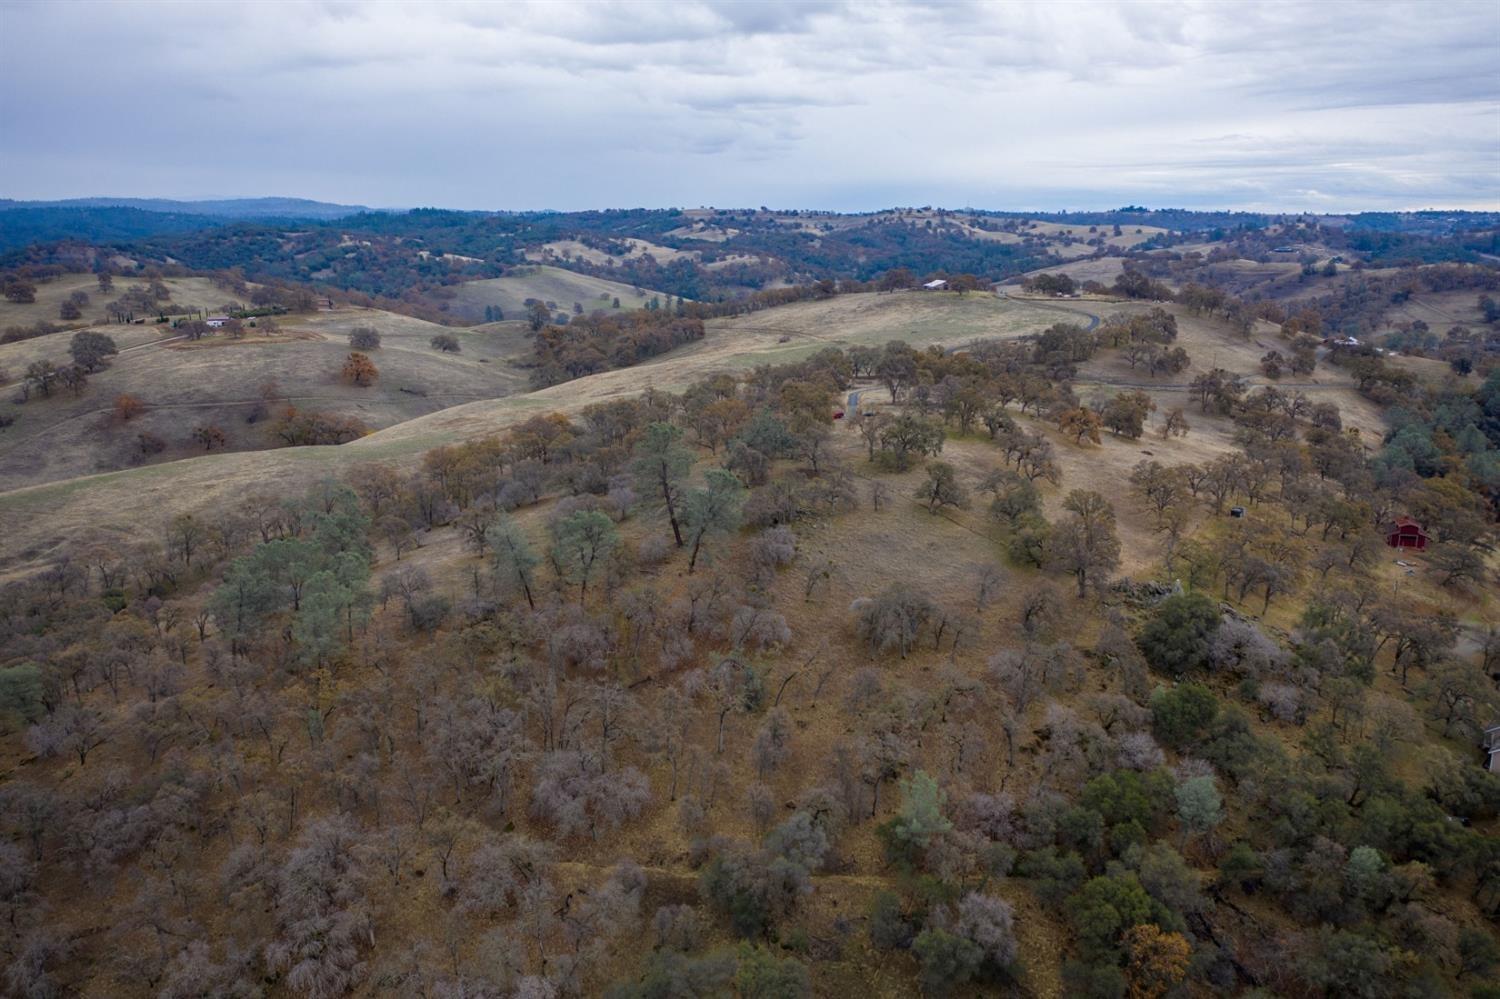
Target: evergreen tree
{"points": [[662, 463], [583, 541], [714, 509], [512, 560]]}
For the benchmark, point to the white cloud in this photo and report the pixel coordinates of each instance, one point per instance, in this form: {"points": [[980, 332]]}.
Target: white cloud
{"points": [[522, 105]]}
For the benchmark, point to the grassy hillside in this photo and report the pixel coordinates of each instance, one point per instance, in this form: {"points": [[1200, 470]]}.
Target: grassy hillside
{"points": [[188, 294], [565, 248], [546, 284], [223, 382], [853, 732], [74, 440], [922, 319]]}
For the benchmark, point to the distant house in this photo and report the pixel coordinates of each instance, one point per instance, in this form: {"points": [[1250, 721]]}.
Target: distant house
{"points": [[937, 285], [216, 321], [1491, 746], [1403, 532]]}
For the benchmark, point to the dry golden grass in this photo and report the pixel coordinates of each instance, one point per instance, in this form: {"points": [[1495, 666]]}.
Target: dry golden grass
{"points": [[218, 380], [1439, 310], [902, 542], [920, 318], [37, 520], [188, 294], [1130, 235], [729, 261], [14, 357], [1211, 344], [564, 248], [1101, 269], [546, 284]]}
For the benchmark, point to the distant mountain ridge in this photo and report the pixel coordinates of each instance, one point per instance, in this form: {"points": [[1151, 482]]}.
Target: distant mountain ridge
{"points": [[227, 208]]}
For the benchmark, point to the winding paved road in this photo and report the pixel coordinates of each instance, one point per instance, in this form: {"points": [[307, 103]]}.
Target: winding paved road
{"points": [[1037, 303]]}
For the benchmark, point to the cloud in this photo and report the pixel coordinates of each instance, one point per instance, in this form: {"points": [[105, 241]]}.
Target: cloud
{"points": [[560, 104]]}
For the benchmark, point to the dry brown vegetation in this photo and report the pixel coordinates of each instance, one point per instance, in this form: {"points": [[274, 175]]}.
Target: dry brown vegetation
{"points": [[545, 284], [188, 294], [242, 384], [389, 761]]}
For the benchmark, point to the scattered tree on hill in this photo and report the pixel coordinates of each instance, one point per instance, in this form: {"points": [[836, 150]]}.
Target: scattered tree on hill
{"points": [[364, 338], [712, 510], [947, 959], [582, 542], [1126, 414], [764, 975], [1080, 423], [360, 370], [210, 436], [90, 349], [905, 439], [538, 315], [514, 561], [127, 407], [920, 820], [1157, 961], [1199, 806], [1183, 714], [896, 279], [893, 620], [19, 290], [296, 427], [942, 488], [42, 376], [1084, 544], [74, 377], [661, 466], [445, 342], [1177, 638], [753, 889], [1050, 284]]}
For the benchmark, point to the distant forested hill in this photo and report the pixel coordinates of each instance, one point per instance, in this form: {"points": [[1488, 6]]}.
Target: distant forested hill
{"points": [[706, 255], [24, 226], [120, 220], [226, 208]]}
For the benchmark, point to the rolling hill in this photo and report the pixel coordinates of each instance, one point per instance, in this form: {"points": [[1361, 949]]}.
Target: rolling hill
{"points": [[77, 437], [239, 386], [561, 288]]}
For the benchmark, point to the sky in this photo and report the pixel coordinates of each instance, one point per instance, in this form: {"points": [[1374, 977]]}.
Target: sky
{"points": [[1322, 106]]}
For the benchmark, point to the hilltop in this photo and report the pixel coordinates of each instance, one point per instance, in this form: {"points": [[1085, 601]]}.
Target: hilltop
{"points": [[224, 208]]}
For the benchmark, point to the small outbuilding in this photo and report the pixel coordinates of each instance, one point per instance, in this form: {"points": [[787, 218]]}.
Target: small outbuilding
{"points": [[1236, 511], [216, 321], [1403, 532], [937, 285], [1491, 746]]}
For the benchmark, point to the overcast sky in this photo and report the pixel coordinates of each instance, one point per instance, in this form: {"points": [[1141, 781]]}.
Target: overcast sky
{"points": [[1325, 106]]}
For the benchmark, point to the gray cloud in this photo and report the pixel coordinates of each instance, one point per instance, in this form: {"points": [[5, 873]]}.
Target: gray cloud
{"points": [[1331, 106]]}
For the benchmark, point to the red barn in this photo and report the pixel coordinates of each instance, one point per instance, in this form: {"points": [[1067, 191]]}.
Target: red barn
{"points": [[1403, 532]]}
